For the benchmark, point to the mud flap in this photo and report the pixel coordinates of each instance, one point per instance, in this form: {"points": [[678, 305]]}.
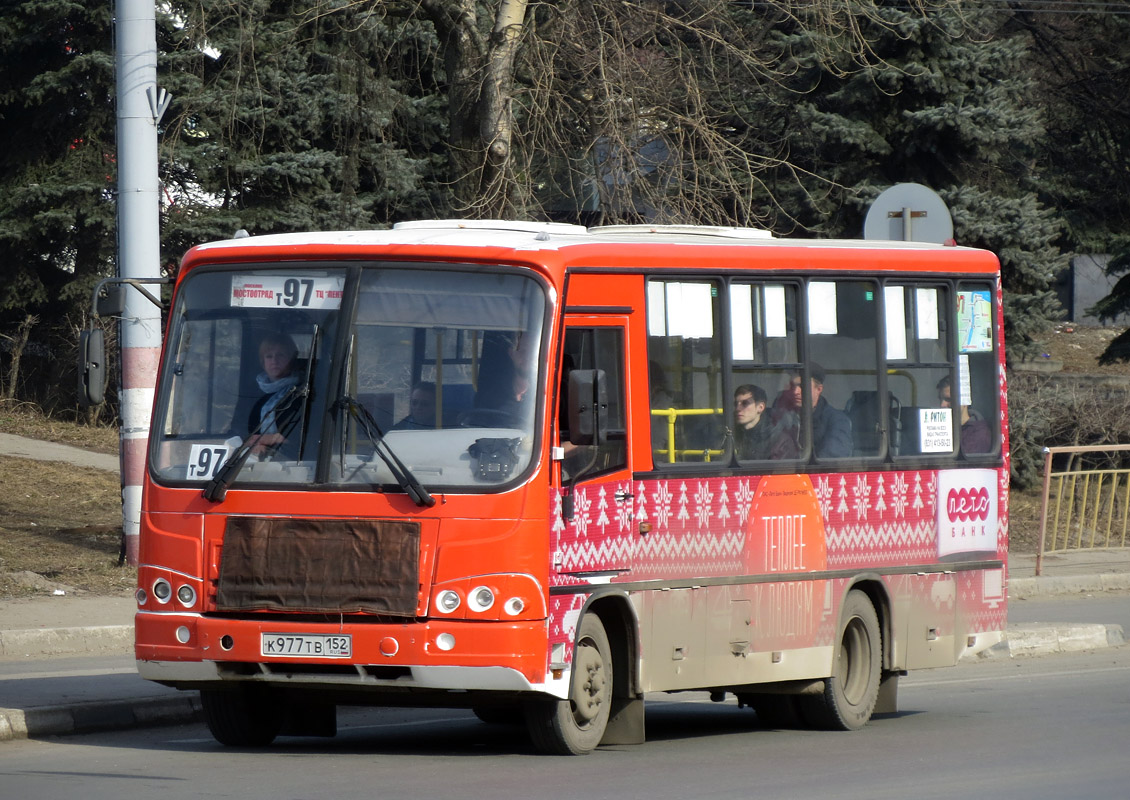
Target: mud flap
{"points": [[625, 721], [888, 700]]}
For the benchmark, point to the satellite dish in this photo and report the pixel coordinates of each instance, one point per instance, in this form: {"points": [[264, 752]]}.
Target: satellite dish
{"points": [[909, 212]]}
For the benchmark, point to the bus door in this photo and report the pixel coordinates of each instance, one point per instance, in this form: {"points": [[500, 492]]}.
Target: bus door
{"points": [[593, 516]]}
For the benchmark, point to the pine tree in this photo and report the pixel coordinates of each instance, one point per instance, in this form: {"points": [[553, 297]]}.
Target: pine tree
{"points": [[57, 170], [942, 102], [296, 116], [1085, 68]]}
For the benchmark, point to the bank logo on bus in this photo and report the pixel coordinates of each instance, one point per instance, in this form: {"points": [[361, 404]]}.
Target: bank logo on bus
{"points": [[283, 291], [967, 511]]}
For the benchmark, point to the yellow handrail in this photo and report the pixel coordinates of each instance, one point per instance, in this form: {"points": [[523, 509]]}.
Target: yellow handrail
{"points": [[672, 415]]}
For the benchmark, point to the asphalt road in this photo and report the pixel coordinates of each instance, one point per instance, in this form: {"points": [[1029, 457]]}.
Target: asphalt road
{"points": [[1112, 608], [1034, 728]]}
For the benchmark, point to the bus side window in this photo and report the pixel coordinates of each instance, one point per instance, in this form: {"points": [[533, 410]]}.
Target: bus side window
{"points": [[765, 354], [685, 358], [917, 358], [843, 361], [976, 397]]}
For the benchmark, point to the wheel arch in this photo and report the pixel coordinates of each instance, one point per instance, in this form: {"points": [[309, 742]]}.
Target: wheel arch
{"points": [[872, 585], [621, 625]]}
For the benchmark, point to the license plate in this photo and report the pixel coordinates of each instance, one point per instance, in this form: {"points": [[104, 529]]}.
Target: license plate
{"points": [[307, 645]]}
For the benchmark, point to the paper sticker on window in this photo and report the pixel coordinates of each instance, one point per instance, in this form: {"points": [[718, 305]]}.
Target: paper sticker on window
{"points": [[775, 312], [681, 309], [741, 321], [822, 308], [935, 430], [926, 303], [975, 321], [896, 322], [965, 385], [280, 291]]}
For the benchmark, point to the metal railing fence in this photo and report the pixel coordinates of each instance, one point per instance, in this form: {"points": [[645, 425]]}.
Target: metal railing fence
{"points": [[1083, 507]]}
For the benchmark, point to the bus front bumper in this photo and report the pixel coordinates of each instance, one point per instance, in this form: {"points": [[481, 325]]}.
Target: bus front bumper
{"points": [[196, 651]]}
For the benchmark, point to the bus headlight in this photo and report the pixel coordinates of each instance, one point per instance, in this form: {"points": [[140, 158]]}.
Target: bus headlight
{"points": [[162, 590], [187, 595], [447, 601], [506, 596], [480, 599]]}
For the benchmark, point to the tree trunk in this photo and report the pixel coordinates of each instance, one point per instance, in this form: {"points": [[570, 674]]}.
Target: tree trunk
{"points": [[480, 92], [19, 342]]}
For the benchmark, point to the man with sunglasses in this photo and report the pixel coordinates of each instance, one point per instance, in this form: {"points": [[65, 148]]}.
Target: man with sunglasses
{"points": [[751, 424]]}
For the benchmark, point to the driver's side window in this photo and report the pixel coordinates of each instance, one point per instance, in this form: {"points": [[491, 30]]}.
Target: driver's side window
{"points": [[594, 349]]}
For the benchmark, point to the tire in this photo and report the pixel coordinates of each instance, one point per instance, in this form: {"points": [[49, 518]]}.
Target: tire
{"points": [[852, 689], [249, 716], [576, 726]]}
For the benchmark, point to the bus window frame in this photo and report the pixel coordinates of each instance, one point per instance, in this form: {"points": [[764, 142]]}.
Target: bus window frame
{"points": [[338, 349]]}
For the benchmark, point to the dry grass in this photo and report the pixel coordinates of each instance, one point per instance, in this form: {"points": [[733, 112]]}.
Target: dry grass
{"points": [[62, 524], [1024, 521], [1078, 348], [23, 419]]}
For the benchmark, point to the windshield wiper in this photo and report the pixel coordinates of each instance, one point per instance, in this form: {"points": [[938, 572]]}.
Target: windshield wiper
{"points": [[306, 392], [217, 488], [404, 477]]}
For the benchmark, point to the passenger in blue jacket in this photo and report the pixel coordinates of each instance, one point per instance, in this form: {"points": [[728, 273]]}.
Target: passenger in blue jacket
{"points": [[831, 428]]}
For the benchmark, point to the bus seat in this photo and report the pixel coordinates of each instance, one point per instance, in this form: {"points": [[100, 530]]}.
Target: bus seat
{"points": [[863, 410], [380, 405], [909, 419], [457, 398]]}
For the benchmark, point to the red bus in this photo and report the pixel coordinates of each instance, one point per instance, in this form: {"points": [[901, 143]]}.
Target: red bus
{"points": [[539, 470]]}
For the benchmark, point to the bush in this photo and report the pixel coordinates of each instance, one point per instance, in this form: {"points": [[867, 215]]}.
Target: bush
{"points": [[1062, 411]]}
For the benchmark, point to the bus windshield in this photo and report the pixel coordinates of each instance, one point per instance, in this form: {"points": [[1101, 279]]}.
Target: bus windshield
{"points": [[350, 376]]}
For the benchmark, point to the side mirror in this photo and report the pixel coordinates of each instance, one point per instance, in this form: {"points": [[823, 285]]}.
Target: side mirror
{"points": [[588, 407], [110, 299], [92, 367]]}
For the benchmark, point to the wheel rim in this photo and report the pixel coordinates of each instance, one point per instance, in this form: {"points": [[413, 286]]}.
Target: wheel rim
{"points": [[855, 661], [589, 684]]}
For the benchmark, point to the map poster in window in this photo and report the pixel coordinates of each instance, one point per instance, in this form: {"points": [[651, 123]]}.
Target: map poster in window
{"points": [[975, 321]]}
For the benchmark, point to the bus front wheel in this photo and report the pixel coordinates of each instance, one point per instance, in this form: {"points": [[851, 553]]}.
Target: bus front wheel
{"points": [[248, 716], [850, 693], [576, 726]]}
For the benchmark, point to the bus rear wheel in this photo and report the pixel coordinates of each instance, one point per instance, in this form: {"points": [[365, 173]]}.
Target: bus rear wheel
{"points": [[576, 726], [249, 716], [850, 693]]}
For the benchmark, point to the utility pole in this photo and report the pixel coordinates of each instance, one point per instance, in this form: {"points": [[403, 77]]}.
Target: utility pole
{"points": [[140, 106]]}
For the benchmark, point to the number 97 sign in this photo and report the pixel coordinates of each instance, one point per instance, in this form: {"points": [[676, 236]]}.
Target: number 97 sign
{"points": [[281, 291], [205, 460]]}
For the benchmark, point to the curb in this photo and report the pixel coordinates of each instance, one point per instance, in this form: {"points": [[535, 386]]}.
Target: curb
{"points": [[66, 641], [1045, 586], [63, 720], [1037, 638]]}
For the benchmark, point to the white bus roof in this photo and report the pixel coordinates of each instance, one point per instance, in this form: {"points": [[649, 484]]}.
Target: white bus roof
{"points": [[528, 235]]}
